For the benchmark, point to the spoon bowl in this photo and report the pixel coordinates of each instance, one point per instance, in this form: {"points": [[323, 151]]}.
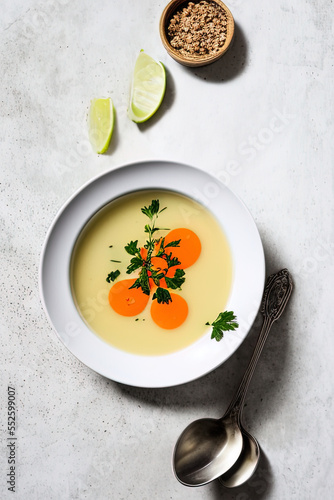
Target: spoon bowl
{"points": [[206, 448], [246, 464]]}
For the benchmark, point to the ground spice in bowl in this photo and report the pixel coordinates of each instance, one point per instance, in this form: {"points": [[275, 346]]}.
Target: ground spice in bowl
{"points": [[198, 32], [198, 28]]}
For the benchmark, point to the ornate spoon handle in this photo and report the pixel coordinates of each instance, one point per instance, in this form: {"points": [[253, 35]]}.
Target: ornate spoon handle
{"points": [[275, 297]]}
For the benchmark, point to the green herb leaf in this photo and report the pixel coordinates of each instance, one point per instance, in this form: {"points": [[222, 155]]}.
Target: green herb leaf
{"points": [[151, 230], [161, 248], [224, 322], [152, 209], [217, 334], [154, 229], [117, 261], [172, 261], [132, 247], [177, 280], [112, 276], [135, 263], [157, 276], [149, 246], [162, 296], [142, 282], [175, 243]]}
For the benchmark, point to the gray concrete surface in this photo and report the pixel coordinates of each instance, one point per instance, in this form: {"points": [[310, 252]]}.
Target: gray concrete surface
{"points": [[261, 121]]}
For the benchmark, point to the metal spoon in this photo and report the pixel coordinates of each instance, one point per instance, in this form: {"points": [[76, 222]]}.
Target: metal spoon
{"points": [[208, 448], [277, 292]]}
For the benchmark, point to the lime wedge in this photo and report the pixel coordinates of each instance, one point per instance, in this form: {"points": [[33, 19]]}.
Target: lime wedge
{"points": [[148, 88], [101, 123]]}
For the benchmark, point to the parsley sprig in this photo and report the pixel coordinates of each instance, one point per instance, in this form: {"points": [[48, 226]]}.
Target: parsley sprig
{"points": [[223, 323], [143, 264], [152, 211]]}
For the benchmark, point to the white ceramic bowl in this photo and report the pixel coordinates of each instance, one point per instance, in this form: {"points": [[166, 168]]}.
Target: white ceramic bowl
{"points": [[200, 357]]}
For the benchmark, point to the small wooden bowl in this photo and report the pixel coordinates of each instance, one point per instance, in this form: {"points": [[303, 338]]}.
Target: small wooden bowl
{"points": [[193, 60]]}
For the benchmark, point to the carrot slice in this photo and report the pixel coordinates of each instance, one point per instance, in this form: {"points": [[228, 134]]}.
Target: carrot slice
{"points": [[189, 249], [159, 264], [171, 315], [126, 301]]}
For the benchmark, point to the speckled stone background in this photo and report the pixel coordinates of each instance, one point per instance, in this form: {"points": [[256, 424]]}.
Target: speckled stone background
{"points": [[261, 121]]}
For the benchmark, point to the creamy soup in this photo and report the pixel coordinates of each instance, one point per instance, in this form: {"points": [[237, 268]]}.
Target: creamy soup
{"points": [[102, 242]]}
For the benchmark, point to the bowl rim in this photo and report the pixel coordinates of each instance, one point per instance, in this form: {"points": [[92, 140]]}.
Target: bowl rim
{"points": [[194, 61], [150, 371]]}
